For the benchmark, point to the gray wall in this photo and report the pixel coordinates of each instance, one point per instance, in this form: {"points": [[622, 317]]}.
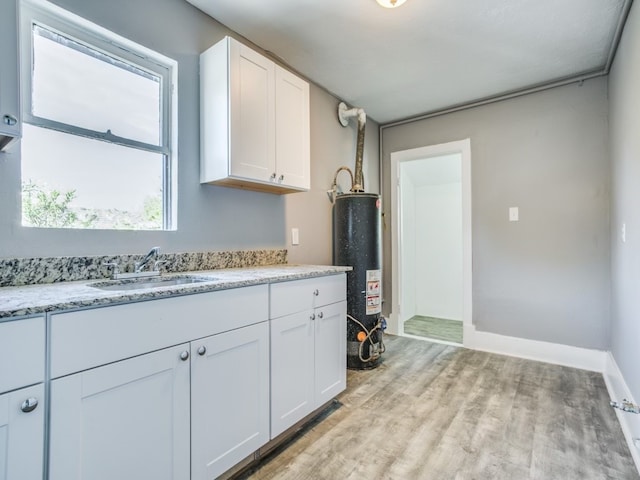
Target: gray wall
{"points": [[545, 277], [209, 218], [624, 98], [332, 146]]}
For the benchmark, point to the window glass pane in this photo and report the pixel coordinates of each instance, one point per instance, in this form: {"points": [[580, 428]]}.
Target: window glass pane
{"points": [[76, 182], [80, 86]]}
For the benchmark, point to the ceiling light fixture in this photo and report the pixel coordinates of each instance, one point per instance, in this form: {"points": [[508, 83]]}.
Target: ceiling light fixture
{"points": [[391, 3]]}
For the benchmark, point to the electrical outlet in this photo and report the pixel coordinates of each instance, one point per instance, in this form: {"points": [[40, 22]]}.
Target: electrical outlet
{"points": [[295, 236], [623, 233], [513, 214]]}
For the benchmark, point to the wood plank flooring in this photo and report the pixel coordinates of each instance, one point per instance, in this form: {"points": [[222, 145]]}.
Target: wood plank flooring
{"points": [[435, 328], [433, 411]]}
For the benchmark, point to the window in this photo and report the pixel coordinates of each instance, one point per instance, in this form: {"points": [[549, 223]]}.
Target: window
{"points": [[98, 130]]}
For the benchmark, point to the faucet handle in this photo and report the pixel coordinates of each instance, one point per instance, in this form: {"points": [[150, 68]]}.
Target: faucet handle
{"points": [[116, 269], [157, 264]]}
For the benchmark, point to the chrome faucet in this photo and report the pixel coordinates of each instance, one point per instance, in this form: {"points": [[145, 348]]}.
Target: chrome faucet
{"points": [[153, 253]]}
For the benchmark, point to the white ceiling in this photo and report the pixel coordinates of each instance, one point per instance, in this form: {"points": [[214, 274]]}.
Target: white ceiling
{"points": [[427, 55]]}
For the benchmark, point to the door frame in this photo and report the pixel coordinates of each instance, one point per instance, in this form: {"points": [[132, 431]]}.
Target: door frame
{"points": [[462, 147]]}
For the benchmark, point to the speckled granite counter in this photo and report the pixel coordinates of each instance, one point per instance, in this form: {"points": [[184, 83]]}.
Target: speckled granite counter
{"points": [[34, 299]]}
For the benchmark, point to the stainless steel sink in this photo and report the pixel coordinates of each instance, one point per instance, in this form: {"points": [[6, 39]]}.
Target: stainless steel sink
{"points": [[139, 284]]}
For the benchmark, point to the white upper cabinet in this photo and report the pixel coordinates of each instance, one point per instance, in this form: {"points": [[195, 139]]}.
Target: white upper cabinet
{"points": [[252, 151], [292, 129], [254, 121], [10, 126]]}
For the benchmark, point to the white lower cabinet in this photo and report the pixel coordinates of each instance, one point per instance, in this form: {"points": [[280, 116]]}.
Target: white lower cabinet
{"points": [[308, 347], [330, 351], [292, 365], [126, 420], [22, 434], [22, 399], [229, 399], [178, 388]]}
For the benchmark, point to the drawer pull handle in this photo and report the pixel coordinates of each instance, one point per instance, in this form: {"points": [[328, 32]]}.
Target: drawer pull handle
{"points": [[29, 405], [202, 350], [184, 355], [316, 292]]}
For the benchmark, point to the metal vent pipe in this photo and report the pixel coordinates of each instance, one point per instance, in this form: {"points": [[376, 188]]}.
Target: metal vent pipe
{"points": [[344, 114]]}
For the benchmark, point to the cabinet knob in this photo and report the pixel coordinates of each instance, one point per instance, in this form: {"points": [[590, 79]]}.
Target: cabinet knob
{"points": [[312, 316], [273, 176], [9, 120], [184, 355], [316, 292], [320, 315], [29, 405], [202, 350], [281, 178]]}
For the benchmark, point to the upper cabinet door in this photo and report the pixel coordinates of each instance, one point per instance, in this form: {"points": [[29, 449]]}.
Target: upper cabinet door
{"points": [[10, 125], [252, 114], [292, 130]]}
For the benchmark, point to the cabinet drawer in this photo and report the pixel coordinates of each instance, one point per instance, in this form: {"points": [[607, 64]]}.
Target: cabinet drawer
{"points": [[88, 338], [22, 352], [299, 295]]}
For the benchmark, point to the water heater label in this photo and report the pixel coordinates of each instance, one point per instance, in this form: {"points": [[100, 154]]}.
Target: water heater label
{"points": [[374, 304]]}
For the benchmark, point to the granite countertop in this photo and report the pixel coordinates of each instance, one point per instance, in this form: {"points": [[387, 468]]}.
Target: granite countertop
{"points": [[35, 299]]}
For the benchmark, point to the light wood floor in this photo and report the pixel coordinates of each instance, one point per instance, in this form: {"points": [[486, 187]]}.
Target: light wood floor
{"points": [[434, 328], [433, 411]]}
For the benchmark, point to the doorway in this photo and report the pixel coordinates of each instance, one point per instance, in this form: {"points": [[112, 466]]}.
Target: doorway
{"points": [[431, 241]]}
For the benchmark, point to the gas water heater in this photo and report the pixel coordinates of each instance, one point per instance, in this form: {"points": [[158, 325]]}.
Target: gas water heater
{"points": [[357, 243]]}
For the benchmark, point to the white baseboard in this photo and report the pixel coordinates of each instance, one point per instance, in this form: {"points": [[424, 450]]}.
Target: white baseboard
{"points": [[566, 355], [394, 327], [431, 340], [618, 391]]}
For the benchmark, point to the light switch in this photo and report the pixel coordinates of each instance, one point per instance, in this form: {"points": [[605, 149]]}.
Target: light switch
{"points": [[295, 236], [513, 214]]}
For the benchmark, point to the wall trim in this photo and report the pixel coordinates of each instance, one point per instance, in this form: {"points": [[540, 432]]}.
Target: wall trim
{"points": [[462, 147], [558, 354], [619, 390]]}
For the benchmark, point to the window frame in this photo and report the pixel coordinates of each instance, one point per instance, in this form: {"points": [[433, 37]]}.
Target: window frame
{"points": [[95, 37]]}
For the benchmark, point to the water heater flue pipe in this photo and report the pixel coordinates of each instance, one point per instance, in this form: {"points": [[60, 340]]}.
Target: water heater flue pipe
{"points": [[344, 115]]}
